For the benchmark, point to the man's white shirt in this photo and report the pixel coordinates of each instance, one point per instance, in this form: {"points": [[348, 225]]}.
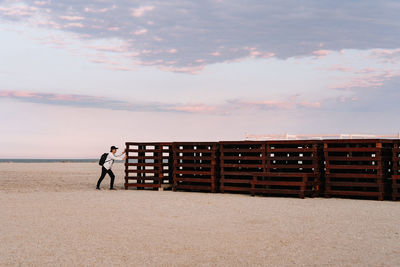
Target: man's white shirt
{"points": [[110, 160]]}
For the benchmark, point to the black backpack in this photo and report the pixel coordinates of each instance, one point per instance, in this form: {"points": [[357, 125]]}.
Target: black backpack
{"points": [[103, 159]]}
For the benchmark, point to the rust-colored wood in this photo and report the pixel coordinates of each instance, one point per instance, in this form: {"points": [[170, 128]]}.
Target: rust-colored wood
{"points": [[344, 168], [195, 166], [252, 166], [396, 171], [239, 160], [298, 157], [148, 165], [358, 167]]}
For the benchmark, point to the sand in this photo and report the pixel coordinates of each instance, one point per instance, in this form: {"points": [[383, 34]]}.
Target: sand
{"points": [[51, 215]]}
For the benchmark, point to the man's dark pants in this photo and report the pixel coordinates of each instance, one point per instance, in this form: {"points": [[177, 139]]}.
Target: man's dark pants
{"points": [[104, 171]]}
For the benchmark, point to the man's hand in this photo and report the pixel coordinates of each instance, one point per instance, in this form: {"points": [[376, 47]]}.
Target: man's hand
{"points": [[125, 157]]}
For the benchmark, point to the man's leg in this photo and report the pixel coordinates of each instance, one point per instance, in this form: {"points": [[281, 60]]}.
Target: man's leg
{"points": [[103, 174], [112, 176]]}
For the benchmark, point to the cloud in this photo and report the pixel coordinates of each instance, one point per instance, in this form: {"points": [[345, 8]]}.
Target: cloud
{"points": [[368, 78], [93, 10], [172, 51], [289, 104], [72, 18], [224, 31], [87, 101], [140, 31], [74, 24], [369, 100], [321, 53], [391, 56], [139, 12], [20, 10], [340, 68]]}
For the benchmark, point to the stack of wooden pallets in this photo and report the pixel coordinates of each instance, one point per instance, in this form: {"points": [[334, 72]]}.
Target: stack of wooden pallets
{"points": [[292, 168], [240, 161], [148, 165], [396, 171], [195, 166], [305, 168], [358, 168]]}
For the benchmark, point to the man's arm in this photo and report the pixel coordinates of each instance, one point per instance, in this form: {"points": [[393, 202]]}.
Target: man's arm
{"points": [[119, 157]]}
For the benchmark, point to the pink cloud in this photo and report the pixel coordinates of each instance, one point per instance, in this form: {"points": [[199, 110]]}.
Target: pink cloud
{"points": [[23, 94], [369, 79], [104, 103], [99, 61], [254, 53], [139, 12], [308, 104], [114, 29], [18, 10], [59, 97], [48, 23], [140, 32], [71, 18], [344, 99], [391, 56], [74, 24], [172, 51], [117, 49], [340, 68], [273, 104], [380, 52], [5, 93], [321, 53], [215, 54], [196, 108], [146, 51], [190, 70], [93, 10]]}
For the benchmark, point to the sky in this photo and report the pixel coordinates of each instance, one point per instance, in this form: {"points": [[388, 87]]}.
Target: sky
{"points": [[79, 76]]}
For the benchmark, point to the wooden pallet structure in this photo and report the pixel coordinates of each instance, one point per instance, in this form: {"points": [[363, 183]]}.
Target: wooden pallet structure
{"points": [[148, 165], [357, 167], [195, 166], [396, 171], [240, 162], [293, 167]]}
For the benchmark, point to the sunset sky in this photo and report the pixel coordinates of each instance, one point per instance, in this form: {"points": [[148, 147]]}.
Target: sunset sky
{"points": [[79, 76]]}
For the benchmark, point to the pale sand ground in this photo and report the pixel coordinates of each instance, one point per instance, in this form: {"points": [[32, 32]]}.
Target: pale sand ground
{"points": [[51, 216]]}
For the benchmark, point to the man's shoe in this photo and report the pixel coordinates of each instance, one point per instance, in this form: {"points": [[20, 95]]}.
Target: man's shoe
{"points": [[113, 189], [98, 188]]}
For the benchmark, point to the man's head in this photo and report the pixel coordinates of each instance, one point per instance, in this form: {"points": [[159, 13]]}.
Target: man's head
{"points": [[113, 149]]}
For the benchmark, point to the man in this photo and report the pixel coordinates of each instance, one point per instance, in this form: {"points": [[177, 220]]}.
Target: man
{"points": [[106, 168]]}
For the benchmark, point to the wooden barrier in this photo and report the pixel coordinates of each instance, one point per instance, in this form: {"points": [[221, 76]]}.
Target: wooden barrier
{"points": [[357, 168], [297, 157], [396, 171], [240, 161], [272, 167], [282, 184], [353, 167], [148, 165], [195, 166]]}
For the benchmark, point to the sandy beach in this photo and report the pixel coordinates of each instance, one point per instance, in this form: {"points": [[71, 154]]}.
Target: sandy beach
{"points": [[51, 215]]}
